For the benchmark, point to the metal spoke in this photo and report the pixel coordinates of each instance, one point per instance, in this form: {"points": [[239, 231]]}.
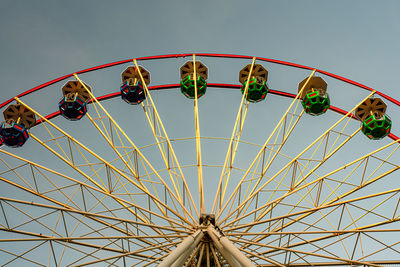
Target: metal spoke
{"points": [[162, 135], [312, 192], [258, 157], [251, 196], [233, 145]]}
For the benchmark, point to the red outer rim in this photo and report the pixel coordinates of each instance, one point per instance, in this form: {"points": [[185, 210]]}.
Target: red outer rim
{"points": [[203, 55], [215, 85], [34, 89]]}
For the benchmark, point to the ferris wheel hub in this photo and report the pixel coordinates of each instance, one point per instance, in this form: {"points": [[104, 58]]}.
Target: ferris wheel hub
{"points": [[206, 219]]}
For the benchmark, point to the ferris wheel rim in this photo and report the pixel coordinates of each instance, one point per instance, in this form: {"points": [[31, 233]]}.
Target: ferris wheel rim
{"points": [[213, 85], [216, 55]]}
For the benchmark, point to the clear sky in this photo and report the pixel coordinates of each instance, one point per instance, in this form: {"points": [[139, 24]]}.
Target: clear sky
{"points": [[40, 40]]}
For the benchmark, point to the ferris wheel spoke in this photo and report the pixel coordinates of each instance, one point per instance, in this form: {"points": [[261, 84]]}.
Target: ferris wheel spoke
{"points": [[338, 240], [103, 219], [254, 254], [94, 233], [276, 146], [22, 255], [276, 225], [66, 233], [131, 253], [120, 132], [109, 130], [339, 216], [34, 237], [128, 164], [198, 140], [166, 148], [39, 176], [51, 244], [364, 181], [352, 237], [317, 142], [303, 254], [370, 217], [280, 129], [103, 201], [368, 177], [92, 253], [95, 217], [251, 246], [273, 153], [233, 144], [154, 259], [99, 160], [385, 247], [138, 254], [89, 178], [304, 172], [30, 184]]}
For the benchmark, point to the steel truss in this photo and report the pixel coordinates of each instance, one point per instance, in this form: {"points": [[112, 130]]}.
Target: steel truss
{"points": [[119, 206]]}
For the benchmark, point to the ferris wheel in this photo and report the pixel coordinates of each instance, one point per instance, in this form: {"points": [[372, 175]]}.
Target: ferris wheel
{"points": [[101, 167]]}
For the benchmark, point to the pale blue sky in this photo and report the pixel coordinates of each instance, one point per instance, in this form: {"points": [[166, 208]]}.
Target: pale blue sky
{"points": [[40, 40]]}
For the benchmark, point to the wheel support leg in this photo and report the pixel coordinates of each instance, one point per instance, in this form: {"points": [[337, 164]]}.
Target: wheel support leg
{"points": [[228, 249], [179, 254]]}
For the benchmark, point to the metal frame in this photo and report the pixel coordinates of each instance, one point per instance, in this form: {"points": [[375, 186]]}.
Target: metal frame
{"points": [[74, 217]]}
